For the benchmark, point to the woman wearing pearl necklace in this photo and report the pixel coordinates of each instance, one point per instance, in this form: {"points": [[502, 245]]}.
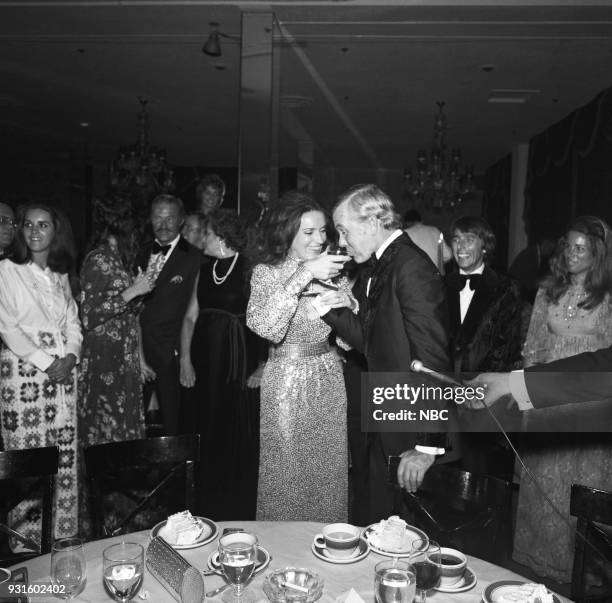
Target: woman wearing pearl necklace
{"points": [[216, 357]]}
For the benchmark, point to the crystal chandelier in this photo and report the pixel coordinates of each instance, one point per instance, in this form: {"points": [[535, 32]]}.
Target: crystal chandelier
{"points": [[439, 182], [142, 165]]}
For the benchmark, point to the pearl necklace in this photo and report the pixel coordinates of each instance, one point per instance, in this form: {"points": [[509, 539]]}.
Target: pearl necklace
{"points": [[219, 280]]}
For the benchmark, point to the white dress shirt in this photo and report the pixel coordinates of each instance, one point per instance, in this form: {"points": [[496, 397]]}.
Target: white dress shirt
{"points": [[381, 250], [467, 293]]}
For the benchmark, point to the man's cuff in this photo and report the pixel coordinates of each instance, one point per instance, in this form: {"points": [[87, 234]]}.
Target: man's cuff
{"points": [[429, 450], [518, 389], [321, 308]]}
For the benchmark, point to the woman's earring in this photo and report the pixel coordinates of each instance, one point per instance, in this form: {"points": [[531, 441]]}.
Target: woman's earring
{"points": [[221, 250]]}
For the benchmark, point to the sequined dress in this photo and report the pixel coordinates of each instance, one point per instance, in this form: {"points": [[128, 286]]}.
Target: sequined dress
{"points": [[542, 539], [303, 468]]}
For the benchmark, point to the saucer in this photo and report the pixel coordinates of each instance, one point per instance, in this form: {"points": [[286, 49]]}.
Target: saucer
{"points": [[209, 533], [468, 580], [495, 590], [263, 560], [361, 553]]}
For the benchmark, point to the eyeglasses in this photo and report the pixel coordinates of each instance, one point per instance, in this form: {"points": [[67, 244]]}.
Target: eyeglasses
{"points": [[7, 221]]}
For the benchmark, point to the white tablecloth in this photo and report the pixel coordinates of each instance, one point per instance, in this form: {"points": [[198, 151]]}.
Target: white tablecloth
{"points": [[289, 544]]}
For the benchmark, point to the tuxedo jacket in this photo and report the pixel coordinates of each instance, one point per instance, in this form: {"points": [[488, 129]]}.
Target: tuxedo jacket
{"points": [[489, 339], [579, 378], [405, 317], [164, 308]]}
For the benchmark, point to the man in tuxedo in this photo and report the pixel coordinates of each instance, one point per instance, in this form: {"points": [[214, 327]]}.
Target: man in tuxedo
{"points": [[173, 264], [580, 378], [403, 317]]}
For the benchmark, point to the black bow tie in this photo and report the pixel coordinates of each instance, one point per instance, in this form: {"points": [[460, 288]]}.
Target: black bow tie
{"points": [[475, 281], [157, 248]]}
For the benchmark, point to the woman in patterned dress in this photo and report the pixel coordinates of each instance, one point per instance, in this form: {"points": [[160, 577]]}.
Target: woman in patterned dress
{"points": [[40, 328], [110, 407], [572, 314], [303, 468]]}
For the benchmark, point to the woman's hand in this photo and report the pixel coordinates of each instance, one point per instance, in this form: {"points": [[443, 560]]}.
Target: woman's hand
{"points": [[146, 372], [337, 299], [187, 375], [60, 370], [326, 266], [141, 286], [254, 380]]}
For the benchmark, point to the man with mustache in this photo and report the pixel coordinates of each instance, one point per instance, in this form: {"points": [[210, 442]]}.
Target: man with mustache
{"points": [[172, 263]]}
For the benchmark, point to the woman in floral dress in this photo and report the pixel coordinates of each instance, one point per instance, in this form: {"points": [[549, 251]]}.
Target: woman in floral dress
{"points": [[40, 328], [303, 470], [572, 314]]}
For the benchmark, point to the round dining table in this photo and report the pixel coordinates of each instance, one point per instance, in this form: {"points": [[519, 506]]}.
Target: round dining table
{"points": [[288, 543]]}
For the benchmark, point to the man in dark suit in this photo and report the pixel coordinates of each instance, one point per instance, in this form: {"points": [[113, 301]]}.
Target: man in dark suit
{"points": [[173, 263], [485, 327], [403, 317], [7, 230], [579, 378]]}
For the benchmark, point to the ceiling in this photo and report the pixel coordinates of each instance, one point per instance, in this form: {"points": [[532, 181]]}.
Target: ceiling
{"points": [[370, 74]]}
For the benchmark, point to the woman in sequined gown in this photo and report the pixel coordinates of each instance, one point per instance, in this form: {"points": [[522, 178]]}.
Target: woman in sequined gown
{"points": [[40, 328], [303, 469], [572, 314], [217, 355]]}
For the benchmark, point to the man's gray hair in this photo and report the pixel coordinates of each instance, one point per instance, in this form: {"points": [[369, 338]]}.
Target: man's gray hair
{"points": [[368, 201]]}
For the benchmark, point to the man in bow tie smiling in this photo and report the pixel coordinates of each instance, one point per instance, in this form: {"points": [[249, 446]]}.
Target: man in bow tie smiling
{"points": [[485, 325], [403, 317], [172, 263]]}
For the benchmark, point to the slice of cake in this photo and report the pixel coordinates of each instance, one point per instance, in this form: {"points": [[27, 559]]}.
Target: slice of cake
{"points": [[182, 528], [525, 593], [391, 535]]}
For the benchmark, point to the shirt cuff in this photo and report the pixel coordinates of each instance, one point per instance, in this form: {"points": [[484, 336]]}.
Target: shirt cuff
{"points": [[518, 389], [41, 360], [74, 349], [429, 450], [295, 284], [321, 308]]}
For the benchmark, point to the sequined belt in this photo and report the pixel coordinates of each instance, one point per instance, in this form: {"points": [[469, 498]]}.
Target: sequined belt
{"points": [[300, 350]]}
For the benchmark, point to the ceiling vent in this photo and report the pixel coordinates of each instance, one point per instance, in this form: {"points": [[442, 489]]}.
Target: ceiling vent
{"points": [[511, 96]]}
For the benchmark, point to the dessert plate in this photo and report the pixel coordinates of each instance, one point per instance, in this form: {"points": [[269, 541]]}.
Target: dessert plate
{"points": [[494, 592], [263, 560], [467, 581], [361, 553], [411, 532], [209, 532]]}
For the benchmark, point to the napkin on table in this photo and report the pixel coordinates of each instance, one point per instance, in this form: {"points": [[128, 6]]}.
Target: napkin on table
{"points": [[350, 596]]}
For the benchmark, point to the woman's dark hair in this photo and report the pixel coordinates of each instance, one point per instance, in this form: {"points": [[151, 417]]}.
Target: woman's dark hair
{"points": [[598, 280], [281, 223], [482, 229], [227, 225], [62, 252], [125, 230]]}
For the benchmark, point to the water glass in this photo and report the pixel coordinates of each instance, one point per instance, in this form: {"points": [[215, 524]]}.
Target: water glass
{"points": [[394, 582], [123, 570], [68, 568], [237, 556], [426, 562]]}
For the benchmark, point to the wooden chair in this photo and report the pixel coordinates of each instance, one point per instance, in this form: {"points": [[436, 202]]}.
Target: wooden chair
{"points": [[463, 511], [26, 474], [592, 506], [145, 474]]}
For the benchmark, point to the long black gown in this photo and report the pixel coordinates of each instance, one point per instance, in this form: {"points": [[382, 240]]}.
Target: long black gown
{"points": [[223, 353]]}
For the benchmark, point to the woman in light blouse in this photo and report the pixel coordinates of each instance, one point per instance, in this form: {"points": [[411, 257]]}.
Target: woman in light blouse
{"points": [[40, 328]]}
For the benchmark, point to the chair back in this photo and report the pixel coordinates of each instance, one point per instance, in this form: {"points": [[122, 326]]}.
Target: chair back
{"points": [[591, 507], [145, 473], [26, 474], [462, 510]]}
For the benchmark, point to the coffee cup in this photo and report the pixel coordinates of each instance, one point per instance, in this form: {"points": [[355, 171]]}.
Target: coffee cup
{"points": [[339, 540], [453, 564]]}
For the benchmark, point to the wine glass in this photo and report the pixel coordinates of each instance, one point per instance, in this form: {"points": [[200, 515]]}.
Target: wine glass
{"points": [[426, 562], [123, 570], [68, 567], [394, 582], [237, 556]]}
